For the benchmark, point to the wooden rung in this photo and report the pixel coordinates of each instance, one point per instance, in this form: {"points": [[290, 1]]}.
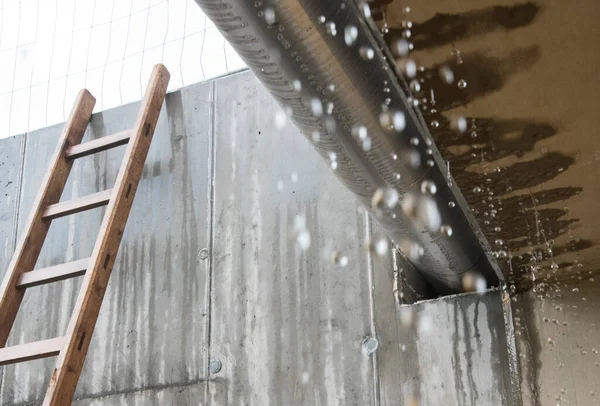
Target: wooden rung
{"points": [[98, 145], [88, 202], [30, 351], [53, 273]]}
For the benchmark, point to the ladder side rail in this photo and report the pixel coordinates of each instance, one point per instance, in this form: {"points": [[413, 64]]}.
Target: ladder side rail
{"points": [[30, 244], [63, 382]]}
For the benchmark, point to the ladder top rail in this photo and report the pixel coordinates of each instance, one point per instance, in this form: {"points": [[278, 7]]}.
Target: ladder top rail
{"points": [[30, 244]]}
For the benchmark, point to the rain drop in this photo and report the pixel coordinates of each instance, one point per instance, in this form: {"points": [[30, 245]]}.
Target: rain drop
{"points": [[303, 240], [380, 246], [366, 10], [461, 124], [331, 28], [410, 68], [280, 119], [297, 85], [321, 19], [414, 158], [270, 15], [428, 187], [350, 35], [294, 177], [451, 205], [414, 141], [411, 249], [446, 231], [400, 47], [316, 107], [366, 53], [428, 213], [435, 124], [446, 74], [366, 144], [462, 84], [385, 196], [415, 86]]}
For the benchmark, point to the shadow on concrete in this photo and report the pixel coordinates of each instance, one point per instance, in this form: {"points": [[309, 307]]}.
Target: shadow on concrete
{"points": [[444, 29]]}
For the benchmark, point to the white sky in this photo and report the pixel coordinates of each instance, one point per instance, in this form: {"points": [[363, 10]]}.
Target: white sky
{"points": [[50, 49]]}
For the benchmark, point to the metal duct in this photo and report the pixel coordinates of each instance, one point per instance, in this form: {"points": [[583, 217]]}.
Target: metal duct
{"points": [[293, 44]]}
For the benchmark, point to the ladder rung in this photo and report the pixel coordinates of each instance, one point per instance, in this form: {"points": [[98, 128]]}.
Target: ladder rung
{"points": [[88, 202], [53, 273], [30, 351], [98, 145]]}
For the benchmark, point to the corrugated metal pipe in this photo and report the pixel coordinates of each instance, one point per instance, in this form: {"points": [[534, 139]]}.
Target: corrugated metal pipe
{"points": [[322, 62]]}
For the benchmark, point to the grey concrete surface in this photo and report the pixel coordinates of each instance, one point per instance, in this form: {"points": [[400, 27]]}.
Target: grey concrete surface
{"points": [[209, 269], [558, 336]]}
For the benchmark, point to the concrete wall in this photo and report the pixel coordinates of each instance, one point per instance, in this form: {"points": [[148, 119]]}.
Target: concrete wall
{"points": [[558, 336], [209, 270]]}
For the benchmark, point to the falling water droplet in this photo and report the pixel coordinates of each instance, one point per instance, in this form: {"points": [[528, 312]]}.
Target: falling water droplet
{"points": [[446, 74], [446, 230], [303, 240], [316, 107], [385, 196], [435, 124], [477, 189], [379, 246], [400, 47], [415, 86], [366, 10], [462, 84], [366, 53], [321, 19], [331, 28], [359, 132], [451, 205], [297, 85], [414, 141], [410, 68], [270, 15], [461, 124], [350, 35], [428, 187], [280, 119]]}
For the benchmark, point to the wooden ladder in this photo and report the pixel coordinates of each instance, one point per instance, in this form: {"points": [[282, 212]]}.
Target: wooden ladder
{"points": [[72, 347]]}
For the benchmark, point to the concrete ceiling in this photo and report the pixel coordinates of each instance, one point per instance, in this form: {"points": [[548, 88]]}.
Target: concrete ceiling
{"points": [[531, 101]]}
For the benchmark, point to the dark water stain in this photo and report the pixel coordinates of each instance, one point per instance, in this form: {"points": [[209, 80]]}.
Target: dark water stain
{"points": [[530, 359], [443, 29], [483, 74], [501, 196], [457, 356]]}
